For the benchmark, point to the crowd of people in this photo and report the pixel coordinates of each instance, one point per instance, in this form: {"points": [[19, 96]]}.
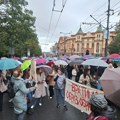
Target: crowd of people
{"points": [[26, 93]]}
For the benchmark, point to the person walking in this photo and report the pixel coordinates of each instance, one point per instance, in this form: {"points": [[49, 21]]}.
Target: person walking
{"points": [[2, 90], [51, 83], [60, 88], [40, 91], [19, 101]]}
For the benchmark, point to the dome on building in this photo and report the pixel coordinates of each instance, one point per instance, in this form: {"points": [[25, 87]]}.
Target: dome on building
{"points": [[80, 30], [99, 29]]}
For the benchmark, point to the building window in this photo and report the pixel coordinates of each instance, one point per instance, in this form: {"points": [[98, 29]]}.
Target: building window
{"points": [[78, 37], [82, 45], [87, 45], [92, 45], [78, 47], [97, 48]]}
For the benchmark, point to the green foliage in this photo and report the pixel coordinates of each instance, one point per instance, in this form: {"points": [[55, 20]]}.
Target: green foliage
{"points": [[115, 44], [17, 28]]}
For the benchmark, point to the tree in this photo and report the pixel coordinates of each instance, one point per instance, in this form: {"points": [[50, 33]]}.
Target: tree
{"points": [[114, 46], [17, 27]]}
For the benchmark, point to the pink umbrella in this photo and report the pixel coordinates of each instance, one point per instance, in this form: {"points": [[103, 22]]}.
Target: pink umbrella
{"points": [[40, 61], [110, 82], [114, 55]]}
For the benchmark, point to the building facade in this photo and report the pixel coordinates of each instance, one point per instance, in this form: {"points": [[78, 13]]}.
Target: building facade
{"points": [[81, 42]]}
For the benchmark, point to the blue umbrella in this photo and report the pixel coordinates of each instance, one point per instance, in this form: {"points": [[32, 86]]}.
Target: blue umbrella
{"points": [[8, 63]]}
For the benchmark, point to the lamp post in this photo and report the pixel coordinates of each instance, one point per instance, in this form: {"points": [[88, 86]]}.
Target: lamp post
{"points": [[65, 40]]}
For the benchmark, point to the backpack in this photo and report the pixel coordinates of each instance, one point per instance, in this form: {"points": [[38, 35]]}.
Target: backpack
{"points": [[11, 91]]}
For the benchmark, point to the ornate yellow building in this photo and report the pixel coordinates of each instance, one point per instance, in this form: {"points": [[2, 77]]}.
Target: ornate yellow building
{"points": [[79, 43]]}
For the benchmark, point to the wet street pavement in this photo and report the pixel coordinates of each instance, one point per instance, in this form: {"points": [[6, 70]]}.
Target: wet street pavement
{"points": [[47, 111]]}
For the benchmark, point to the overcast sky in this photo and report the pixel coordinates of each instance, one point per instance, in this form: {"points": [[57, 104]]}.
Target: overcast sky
{"points": [[74, 13]]}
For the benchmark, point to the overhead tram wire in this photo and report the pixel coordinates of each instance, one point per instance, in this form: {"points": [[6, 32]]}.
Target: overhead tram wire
{"points": [[116, 4], [49, 25], [50, 21], [94, 26], [101, 20], [93, 13], [105, 16], [57, 21], [96, 11]]}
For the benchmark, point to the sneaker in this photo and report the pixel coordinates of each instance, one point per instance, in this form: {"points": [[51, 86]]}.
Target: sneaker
{"points": [[57, 106], [65, 107], [50, 97], [40, 104], [32, 106]]}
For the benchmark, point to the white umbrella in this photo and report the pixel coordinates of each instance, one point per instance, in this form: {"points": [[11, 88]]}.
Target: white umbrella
{"points": [[47, 69], [61, 62], [95, 62], [73, 57]]}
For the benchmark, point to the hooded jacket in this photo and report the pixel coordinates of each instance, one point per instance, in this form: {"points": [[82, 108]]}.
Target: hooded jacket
{"points": [[20, 102]]}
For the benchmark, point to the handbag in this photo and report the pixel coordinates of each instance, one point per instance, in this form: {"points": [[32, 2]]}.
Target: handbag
{"points": [[3, 87]]}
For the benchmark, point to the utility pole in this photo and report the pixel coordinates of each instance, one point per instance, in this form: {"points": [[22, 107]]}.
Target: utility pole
{"points": [[108, 31]]}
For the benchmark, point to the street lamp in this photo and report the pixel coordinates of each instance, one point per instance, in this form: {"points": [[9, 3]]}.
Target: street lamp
{"points": [[65, 39]]}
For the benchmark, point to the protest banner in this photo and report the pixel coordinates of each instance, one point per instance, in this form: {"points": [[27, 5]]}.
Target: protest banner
{"points": [[78, 95]]}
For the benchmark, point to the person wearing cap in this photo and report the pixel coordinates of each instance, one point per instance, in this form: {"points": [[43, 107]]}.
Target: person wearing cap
{"points": [[60, 88], [100, 109]]}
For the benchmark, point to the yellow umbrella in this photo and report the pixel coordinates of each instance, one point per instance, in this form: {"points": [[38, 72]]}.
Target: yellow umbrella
{"points": [[25, 65]]}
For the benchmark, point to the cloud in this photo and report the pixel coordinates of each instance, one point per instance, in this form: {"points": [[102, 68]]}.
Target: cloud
{"points": [[45, 45], [74, 13]]}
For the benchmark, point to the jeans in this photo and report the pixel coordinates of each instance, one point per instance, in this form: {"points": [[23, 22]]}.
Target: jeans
{"points": [[60, 96], [1, 101], [37, 101], [20, 116], [29, 99], [99, 87]]}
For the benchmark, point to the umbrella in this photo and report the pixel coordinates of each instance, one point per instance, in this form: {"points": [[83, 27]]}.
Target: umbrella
{"points": [[19, 62], [65, 59], [61, 62], [114, 55], [49, 59], [40, 61], [25, 65], [47, 69], [23, 58], [88, 57], [50, 63], [110, 81], [95, 62], [73, 57], [76, 62], [8, 63]]}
